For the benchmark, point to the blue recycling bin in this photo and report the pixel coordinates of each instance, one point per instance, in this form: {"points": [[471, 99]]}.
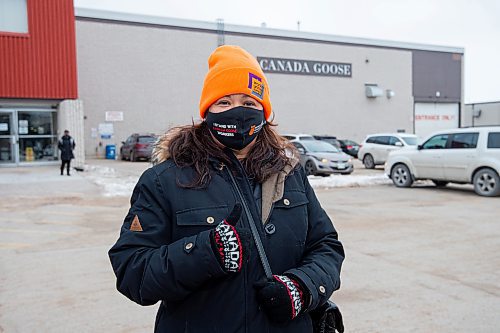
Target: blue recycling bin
{"points": [[110, 152]]}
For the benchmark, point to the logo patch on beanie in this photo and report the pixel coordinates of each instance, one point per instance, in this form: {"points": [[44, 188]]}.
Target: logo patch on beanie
{"points": [[256, 85]]}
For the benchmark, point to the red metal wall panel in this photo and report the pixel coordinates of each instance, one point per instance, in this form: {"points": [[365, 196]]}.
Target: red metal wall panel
{"points": [[41, 63]]}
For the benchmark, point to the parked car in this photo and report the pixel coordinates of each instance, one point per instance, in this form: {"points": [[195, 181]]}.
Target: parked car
{"points": [[376, 147], [299, 137], [349, 147], [137, 146], [321, 158], [465, 155], [330, 139]]}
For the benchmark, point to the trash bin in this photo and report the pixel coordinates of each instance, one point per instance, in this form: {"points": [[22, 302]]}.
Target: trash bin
{"points": [[110, 152]]}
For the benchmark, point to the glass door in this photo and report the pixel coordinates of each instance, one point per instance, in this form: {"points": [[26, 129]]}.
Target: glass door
{"points": [[7, 138], [37, 136]]}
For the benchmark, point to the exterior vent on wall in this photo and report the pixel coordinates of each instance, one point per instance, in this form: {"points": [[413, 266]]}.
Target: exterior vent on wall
{"points": [[373, 91]]}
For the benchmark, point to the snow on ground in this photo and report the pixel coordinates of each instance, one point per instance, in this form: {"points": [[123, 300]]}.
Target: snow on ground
{"points": [[115, 183], [348, 181]]}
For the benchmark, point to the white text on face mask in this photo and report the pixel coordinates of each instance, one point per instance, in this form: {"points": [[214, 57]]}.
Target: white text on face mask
{"points": [[223, 129]]}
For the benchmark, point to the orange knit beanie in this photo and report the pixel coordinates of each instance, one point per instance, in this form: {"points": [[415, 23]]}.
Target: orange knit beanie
{"points": [[232, 70]]}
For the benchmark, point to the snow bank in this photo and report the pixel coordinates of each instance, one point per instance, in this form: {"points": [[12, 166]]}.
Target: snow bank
{"points": [[114, 183], [348, 181]]}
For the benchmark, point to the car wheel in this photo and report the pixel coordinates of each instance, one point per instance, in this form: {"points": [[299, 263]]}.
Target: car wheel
{"points": [[440, 183], [400, 175], [310, 168], [486, 183], [368, 161], [122, 157], [132, 157]]}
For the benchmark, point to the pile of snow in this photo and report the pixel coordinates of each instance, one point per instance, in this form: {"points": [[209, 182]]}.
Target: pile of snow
{"points": [[112, 183], [348, 181], [115, 184]]}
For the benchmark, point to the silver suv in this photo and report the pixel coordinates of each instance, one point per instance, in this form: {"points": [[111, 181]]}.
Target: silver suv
{"points": [[464, 155], [376, 147]]}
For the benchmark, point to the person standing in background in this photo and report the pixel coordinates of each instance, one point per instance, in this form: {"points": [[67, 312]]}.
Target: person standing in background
{"points": [[66, 145]]}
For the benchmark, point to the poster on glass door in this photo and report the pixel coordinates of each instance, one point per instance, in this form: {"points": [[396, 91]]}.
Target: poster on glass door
{"points": [[23, 127]]}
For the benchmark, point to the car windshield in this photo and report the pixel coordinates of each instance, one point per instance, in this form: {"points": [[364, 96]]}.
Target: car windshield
{"points": [[316, 146], [410, 140], [146, 139]]}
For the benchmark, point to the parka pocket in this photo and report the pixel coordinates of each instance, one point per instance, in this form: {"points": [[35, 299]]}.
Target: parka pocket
{"points": [[195, 220], [292, 199]]}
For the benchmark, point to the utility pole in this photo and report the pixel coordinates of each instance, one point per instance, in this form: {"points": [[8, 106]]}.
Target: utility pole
{"points": [[220, 32], [473, 115]]}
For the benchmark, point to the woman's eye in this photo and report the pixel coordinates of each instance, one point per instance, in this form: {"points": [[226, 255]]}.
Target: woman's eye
{"points": [[249, 103], [223, 102]]}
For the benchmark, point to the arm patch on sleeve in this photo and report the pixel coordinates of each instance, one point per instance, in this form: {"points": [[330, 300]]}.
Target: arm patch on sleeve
{"points": [[136, 224]]}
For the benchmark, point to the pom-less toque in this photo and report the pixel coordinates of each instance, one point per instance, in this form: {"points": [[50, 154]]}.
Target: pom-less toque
{"points": [[232, 70]]}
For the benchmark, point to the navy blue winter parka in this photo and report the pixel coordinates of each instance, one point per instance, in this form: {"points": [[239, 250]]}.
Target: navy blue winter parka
{"points": [[164, 252]]}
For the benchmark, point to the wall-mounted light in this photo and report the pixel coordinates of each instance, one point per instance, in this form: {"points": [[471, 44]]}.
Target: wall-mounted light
{"points": [[390, 93], [438, 94]]}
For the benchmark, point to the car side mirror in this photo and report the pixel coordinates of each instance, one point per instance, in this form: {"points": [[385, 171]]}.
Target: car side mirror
{"points": [[123, 142], [398, 144], [419, 147], [301, 150]]}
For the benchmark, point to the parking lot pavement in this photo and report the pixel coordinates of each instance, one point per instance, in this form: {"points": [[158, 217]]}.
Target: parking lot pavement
{"points": [[418, 260]]}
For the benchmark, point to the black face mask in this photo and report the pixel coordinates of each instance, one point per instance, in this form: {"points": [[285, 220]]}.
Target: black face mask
{"points": [[236, 128]]}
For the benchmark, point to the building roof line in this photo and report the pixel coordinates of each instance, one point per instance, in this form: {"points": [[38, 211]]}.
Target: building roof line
{"points": [[261, 31]]}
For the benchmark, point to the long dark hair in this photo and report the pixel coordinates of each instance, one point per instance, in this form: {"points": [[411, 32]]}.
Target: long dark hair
{"points": [[193, 145]]}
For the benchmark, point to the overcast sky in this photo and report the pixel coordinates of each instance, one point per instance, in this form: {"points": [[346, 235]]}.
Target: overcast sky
{"points": [[471, 24]]}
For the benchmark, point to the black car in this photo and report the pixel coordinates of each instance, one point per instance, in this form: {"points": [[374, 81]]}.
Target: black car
{"points": [[349, 147], [330, 139], [137, 146]]}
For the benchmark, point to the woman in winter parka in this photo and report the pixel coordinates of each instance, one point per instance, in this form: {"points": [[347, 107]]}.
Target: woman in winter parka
{"points": [[186, 242]]}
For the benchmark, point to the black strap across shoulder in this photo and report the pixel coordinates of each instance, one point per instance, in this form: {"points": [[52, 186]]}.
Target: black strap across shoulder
{"points": [[253, 228]]}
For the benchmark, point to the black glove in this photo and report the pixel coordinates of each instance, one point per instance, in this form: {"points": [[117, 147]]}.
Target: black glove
{"points": [[231, 243], [282, 298]]}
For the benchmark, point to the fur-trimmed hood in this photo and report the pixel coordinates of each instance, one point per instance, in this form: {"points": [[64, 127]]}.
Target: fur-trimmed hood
{"points": [[160, 149]]}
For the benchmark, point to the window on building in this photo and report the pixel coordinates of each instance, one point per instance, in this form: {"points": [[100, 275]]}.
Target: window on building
{"points": [[463, 140], [37, 136], [13, 16]]}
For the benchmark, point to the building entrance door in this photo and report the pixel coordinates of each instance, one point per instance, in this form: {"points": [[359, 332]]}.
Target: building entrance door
{"points": [[8, 141], [28, 136]]}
